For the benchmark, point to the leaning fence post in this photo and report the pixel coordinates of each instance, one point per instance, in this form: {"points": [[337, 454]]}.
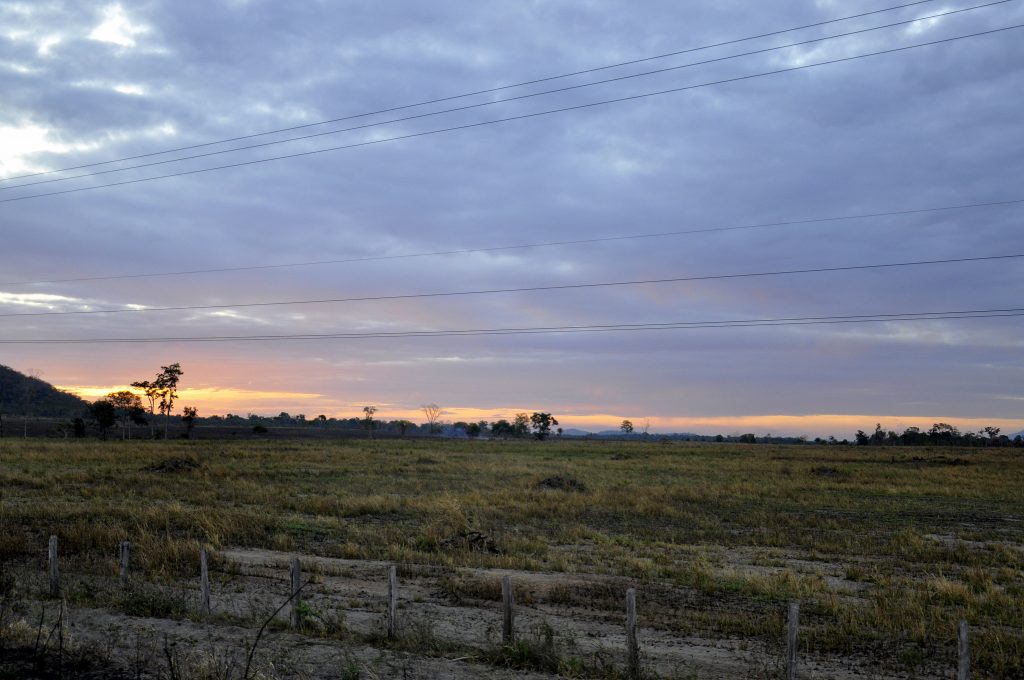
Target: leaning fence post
{"points": [[126, 556], [632, 647], [507, 601], [963, 671], [792, 633], [296, 618], [204, 582], [392, 602], [52, 555]]}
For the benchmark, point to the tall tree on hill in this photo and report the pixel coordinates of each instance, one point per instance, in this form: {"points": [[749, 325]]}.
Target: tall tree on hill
{"points": [[167, 386]]}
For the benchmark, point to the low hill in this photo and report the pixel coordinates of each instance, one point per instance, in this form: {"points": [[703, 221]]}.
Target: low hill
{"points": [[21, 394]]}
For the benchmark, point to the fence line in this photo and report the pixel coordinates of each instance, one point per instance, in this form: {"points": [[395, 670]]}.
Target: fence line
{"points": [[633, 665]]}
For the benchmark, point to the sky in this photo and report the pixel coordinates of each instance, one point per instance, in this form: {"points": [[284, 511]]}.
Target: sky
{"points": [[929, 127]]}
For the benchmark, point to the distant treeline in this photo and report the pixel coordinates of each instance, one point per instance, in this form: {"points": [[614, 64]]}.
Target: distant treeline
{"points": [[940, 434]]}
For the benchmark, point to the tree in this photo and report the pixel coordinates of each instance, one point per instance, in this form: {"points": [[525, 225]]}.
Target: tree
{"points": [[403, 425], [501, 428], [150, 390], [128, 407], [103, 415], [748, 438], [626, 427], [432, 412], [167, 386], [521, 425], [541, 423], [647, 426], [472, 430], [368, 412], [188, 418]]}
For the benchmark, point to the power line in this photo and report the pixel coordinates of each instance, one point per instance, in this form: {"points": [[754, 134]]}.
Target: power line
{"points": [[679, 325], [544, 244], [468, 107], [525, 289], [477, 92], [517, 117]]}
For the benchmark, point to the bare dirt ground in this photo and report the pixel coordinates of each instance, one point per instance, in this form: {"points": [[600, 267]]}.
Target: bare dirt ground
{"points": [[252, 583]]}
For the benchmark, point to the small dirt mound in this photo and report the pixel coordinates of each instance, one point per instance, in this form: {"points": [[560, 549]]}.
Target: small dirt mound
{"points": [[174, 465], [562, 484], [825, 471], [619, 456], [473, 541]]}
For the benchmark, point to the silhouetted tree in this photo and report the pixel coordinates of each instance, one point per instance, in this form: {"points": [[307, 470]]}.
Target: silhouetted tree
{"points": [[103, 415], [368, 412], [626, 427], [167, 386], [432, 412], [150, 391], [126, 405], [541, 423], [188, 418]]}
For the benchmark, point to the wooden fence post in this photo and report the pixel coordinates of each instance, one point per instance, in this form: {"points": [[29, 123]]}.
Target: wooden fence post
{"points": [[632, 647], [508, 635], [963, 671], [792, 638], [392, 602], [204, 582], [296, 571], [52, 555], [126, 556]]}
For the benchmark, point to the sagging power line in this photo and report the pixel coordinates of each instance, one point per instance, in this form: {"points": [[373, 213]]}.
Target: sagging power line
{"points": [[524, 116], [523, 289], [468, 107], [545, 330], [478, 92]]}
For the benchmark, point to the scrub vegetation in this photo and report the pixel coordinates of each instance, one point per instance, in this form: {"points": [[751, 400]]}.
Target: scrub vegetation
{"points": [[885, 549]]}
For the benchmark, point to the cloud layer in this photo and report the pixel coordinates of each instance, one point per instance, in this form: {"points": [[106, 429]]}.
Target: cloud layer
{"points": [[927, 127]]}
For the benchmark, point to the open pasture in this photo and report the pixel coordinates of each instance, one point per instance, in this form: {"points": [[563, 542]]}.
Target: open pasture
{"points": [[885, 549]]}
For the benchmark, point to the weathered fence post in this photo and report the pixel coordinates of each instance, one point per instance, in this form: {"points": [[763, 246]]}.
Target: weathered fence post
{"points": [[296, 618], [508, 635], [792, 635], [204, 582], [52, 555], [963, 670], [392, 602], [126, 556], [632, 647]]}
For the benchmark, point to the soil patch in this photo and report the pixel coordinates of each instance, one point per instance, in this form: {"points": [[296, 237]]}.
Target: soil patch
{"points": [[174, 465], [562, 484]]}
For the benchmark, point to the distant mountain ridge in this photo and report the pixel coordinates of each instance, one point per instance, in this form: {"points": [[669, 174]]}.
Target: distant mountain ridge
{"points": [[21, 394]]}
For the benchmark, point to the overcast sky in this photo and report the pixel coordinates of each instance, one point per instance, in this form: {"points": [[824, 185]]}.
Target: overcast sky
{"points": [[82, 82]]}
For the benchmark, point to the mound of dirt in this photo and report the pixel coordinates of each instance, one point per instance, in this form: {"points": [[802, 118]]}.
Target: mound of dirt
{"points": [[619, 456], [473, 541], [562, 484], [825, 471], [174, 465]]}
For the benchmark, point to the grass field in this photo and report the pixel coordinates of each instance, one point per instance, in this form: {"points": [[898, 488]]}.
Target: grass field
{"points": [[884, 548]]}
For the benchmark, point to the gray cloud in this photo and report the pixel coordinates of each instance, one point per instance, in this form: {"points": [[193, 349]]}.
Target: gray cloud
{"points": [[928, 127]]}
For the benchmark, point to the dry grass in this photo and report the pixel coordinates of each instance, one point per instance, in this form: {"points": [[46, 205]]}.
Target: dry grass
{"points": [[885, 555]]}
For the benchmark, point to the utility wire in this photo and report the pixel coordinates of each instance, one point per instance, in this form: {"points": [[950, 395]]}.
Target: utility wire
{"points": [[544, 244], [477, 92], [468, 107], [519, 117], [679, 325], [525, 289]]}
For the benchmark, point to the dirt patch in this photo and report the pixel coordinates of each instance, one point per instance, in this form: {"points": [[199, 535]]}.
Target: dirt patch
{"points": [[825, 471], [174, 465], [473, 541], [562, 484]]}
